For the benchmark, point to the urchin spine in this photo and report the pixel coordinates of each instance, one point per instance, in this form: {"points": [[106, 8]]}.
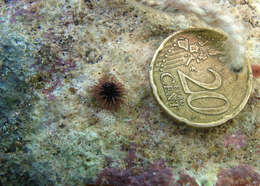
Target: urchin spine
{"points": [[109, 92]]}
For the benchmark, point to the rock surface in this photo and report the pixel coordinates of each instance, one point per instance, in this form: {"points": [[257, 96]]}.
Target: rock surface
{"points": [[52, 131]]}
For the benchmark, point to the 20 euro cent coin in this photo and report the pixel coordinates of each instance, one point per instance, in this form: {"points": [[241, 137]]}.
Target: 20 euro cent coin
{"points": [[192, 81]]}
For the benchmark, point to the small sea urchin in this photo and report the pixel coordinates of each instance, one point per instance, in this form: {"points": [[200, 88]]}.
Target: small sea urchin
{"points": [[109, 93]]}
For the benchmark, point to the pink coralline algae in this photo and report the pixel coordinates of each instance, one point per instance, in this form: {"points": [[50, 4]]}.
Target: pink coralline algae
{"points": [[25, 9], [156, 174], [54, 67], [237, 140], [185, 179], [241, 175]]}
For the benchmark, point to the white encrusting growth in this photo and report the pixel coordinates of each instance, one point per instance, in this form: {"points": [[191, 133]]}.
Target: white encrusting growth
{"points": [[218, 17]]}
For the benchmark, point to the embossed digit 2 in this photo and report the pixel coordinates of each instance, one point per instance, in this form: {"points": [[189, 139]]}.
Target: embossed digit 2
{"points": [[204, 94]]}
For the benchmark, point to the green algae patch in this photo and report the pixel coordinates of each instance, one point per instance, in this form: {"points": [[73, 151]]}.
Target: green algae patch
{"points": [[77, 155]]}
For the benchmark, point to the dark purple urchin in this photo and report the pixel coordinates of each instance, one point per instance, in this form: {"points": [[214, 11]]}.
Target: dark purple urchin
{"points": [[109, 93]]}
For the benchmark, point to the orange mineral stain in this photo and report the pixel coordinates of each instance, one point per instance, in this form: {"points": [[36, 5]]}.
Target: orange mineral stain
{"points": [[256, 70]]}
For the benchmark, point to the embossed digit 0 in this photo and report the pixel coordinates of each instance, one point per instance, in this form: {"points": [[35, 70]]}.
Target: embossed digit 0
{"points": [[208, 110], [204, 94]]}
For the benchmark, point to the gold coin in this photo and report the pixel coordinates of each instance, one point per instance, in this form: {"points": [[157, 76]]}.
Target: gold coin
{"points": [[192, 81]]}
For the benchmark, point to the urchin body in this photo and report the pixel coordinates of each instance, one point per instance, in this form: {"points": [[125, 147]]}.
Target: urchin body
{"points": [[109, 93]]}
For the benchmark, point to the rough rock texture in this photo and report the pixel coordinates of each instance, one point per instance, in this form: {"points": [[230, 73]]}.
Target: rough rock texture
{"points": [[52, 131]]}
